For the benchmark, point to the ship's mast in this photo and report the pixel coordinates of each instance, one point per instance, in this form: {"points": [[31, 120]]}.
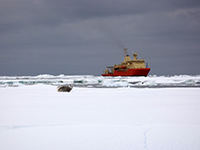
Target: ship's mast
{"points": [[125, 52], [126, 56]]}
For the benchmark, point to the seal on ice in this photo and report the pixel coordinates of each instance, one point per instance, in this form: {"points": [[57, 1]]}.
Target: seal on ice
{"points": [[65, 88]]}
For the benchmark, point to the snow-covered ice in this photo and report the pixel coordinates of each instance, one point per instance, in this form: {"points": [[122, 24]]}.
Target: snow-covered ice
{"points": [[124, 118]]}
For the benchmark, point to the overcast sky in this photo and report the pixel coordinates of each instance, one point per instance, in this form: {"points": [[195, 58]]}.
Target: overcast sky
{"points": [[75, 37]]}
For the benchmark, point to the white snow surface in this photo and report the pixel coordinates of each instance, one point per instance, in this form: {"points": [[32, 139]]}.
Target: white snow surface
{"points": [[37, 117]]}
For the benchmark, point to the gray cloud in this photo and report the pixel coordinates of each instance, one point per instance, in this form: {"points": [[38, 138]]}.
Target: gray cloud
{"points": [[83, 37]]}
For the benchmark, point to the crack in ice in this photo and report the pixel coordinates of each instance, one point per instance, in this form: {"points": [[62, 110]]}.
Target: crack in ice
{"points": [[14, 127], [145, 138]]}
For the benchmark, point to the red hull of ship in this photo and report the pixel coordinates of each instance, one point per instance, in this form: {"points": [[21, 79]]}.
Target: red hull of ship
{"points": [[130, 72]]}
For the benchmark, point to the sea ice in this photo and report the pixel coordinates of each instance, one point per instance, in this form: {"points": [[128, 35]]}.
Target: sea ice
{"points": [[38, 117]]}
